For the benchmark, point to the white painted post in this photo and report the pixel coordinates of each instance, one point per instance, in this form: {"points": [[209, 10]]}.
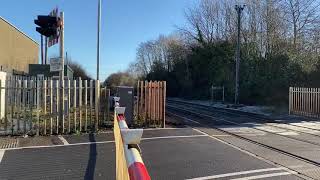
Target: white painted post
{"points": [[80, 104], [38, 107], [1, 116], [85, 104], [24, 96], [290, 101], [51, 107], [57, 106], [97, 103], [19, 104], [75, 104], [69, 100], [45, 105], [91, 101]]}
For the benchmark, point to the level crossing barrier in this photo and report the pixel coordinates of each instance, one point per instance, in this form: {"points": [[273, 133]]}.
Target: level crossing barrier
{"points": [[129, 163]]}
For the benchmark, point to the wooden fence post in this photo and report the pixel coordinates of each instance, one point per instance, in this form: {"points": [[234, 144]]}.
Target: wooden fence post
{"points": [[91, 101], [38, 106], [164, 103], [75, 105], [51, 107], [97, 97], [141, 100], [108, 105], [24, 96], [69, 105], [317, 102], [160, 102], [138, 100], [290, 93], [146, 95], [149, 102], [45, 105], [157, 102], [19, 104], [80, 103], [57, 106], [85, 104]]}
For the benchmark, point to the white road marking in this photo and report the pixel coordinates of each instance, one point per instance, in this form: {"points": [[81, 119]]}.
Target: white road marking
{"points": [[65, 142], [52, 146], [103, 142], [220, 135], [173, 137], [296, 128], [264, 176], [237, 173], [1, 154], [273, 129], [153, 129], [185, 118], [289, 133], [227, 135], [200, 131]]}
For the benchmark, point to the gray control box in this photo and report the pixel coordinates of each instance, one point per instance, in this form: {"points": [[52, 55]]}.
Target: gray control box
{"points": [[126, 94]]}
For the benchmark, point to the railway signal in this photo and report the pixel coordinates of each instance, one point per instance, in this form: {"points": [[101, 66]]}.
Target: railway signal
{"points": [[48, 25]]}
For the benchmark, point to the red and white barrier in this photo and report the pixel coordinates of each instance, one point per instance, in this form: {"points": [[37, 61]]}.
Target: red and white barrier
{"points": [[130, 140]]}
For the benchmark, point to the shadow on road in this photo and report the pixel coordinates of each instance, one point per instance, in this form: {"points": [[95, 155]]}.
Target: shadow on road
{"points": [[92, 159]]}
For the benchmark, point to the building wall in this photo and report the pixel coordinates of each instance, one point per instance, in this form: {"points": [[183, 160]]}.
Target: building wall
{"points": [[17, 50]]}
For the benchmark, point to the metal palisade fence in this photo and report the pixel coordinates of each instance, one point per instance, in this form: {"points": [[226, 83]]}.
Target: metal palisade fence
{"points": [[33, 105], [304, 101]]}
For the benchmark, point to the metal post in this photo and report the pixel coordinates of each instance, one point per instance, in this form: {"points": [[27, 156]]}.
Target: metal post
{"points": [[67, 60], [61, 75], [41, 49], [223, 94], [239, 9], [98, 38], [212, 94], [46, 51]]}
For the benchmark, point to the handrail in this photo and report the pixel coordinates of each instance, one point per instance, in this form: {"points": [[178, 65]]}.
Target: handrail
{"points": [[129, 163]]}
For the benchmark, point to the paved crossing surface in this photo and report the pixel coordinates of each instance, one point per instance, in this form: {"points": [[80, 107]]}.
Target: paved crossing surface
{"points": [[168, 154]]}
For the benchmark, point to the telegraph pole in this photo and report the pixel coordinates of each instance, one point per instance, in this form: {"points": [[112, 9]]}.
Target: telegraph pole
{"points": [[46, 51], [239, 9], [41, 48], [61, 74], [98, 38]]}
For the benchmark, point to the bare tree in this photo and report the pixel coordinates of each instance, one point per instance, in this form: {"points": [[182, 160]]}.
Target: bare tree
{"points": [[302, 16]]}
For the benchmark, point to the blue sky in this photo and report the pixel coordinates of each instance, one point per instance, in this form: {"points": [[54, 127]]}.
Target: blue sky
{"points": [[125, 23]]}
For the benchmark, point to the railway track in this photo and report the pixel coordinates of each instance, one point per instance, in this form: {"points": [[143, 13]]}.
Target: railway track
{"points": [[255, 118], [192, 111]]}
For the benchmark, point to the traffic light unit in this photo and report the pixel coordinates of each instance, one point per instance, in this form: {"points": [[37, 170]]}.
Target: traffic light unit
{"points": [[48, 25]]}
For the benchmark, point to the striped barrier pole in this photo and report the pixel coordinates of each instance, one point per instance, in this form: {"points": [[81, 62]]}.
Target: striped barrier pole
{"points": [[129, 163]]}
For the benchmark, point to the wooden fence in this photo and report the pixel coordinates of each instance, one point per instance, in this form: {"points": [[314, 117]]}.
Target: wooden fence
{"points": [[151, 102], [33, 105], [304, 101]]}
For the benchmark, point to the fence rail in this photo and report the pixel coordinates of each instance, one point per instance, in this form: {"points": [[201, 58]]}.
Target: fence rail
{"points": [[304, 101], [46, 106], [151, 102]]}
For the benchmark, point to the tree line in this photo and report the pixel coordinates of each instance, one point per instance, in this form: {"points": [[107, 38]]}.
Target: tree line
{"points": [[279, 48]]}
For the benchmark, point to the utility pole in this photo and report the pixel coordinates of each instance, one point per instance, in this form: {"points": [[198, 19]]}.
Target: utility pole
{"points": [[61, 74], [239, 9], [67, 60], [46, 51], [98, 38], [41, 48]]}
